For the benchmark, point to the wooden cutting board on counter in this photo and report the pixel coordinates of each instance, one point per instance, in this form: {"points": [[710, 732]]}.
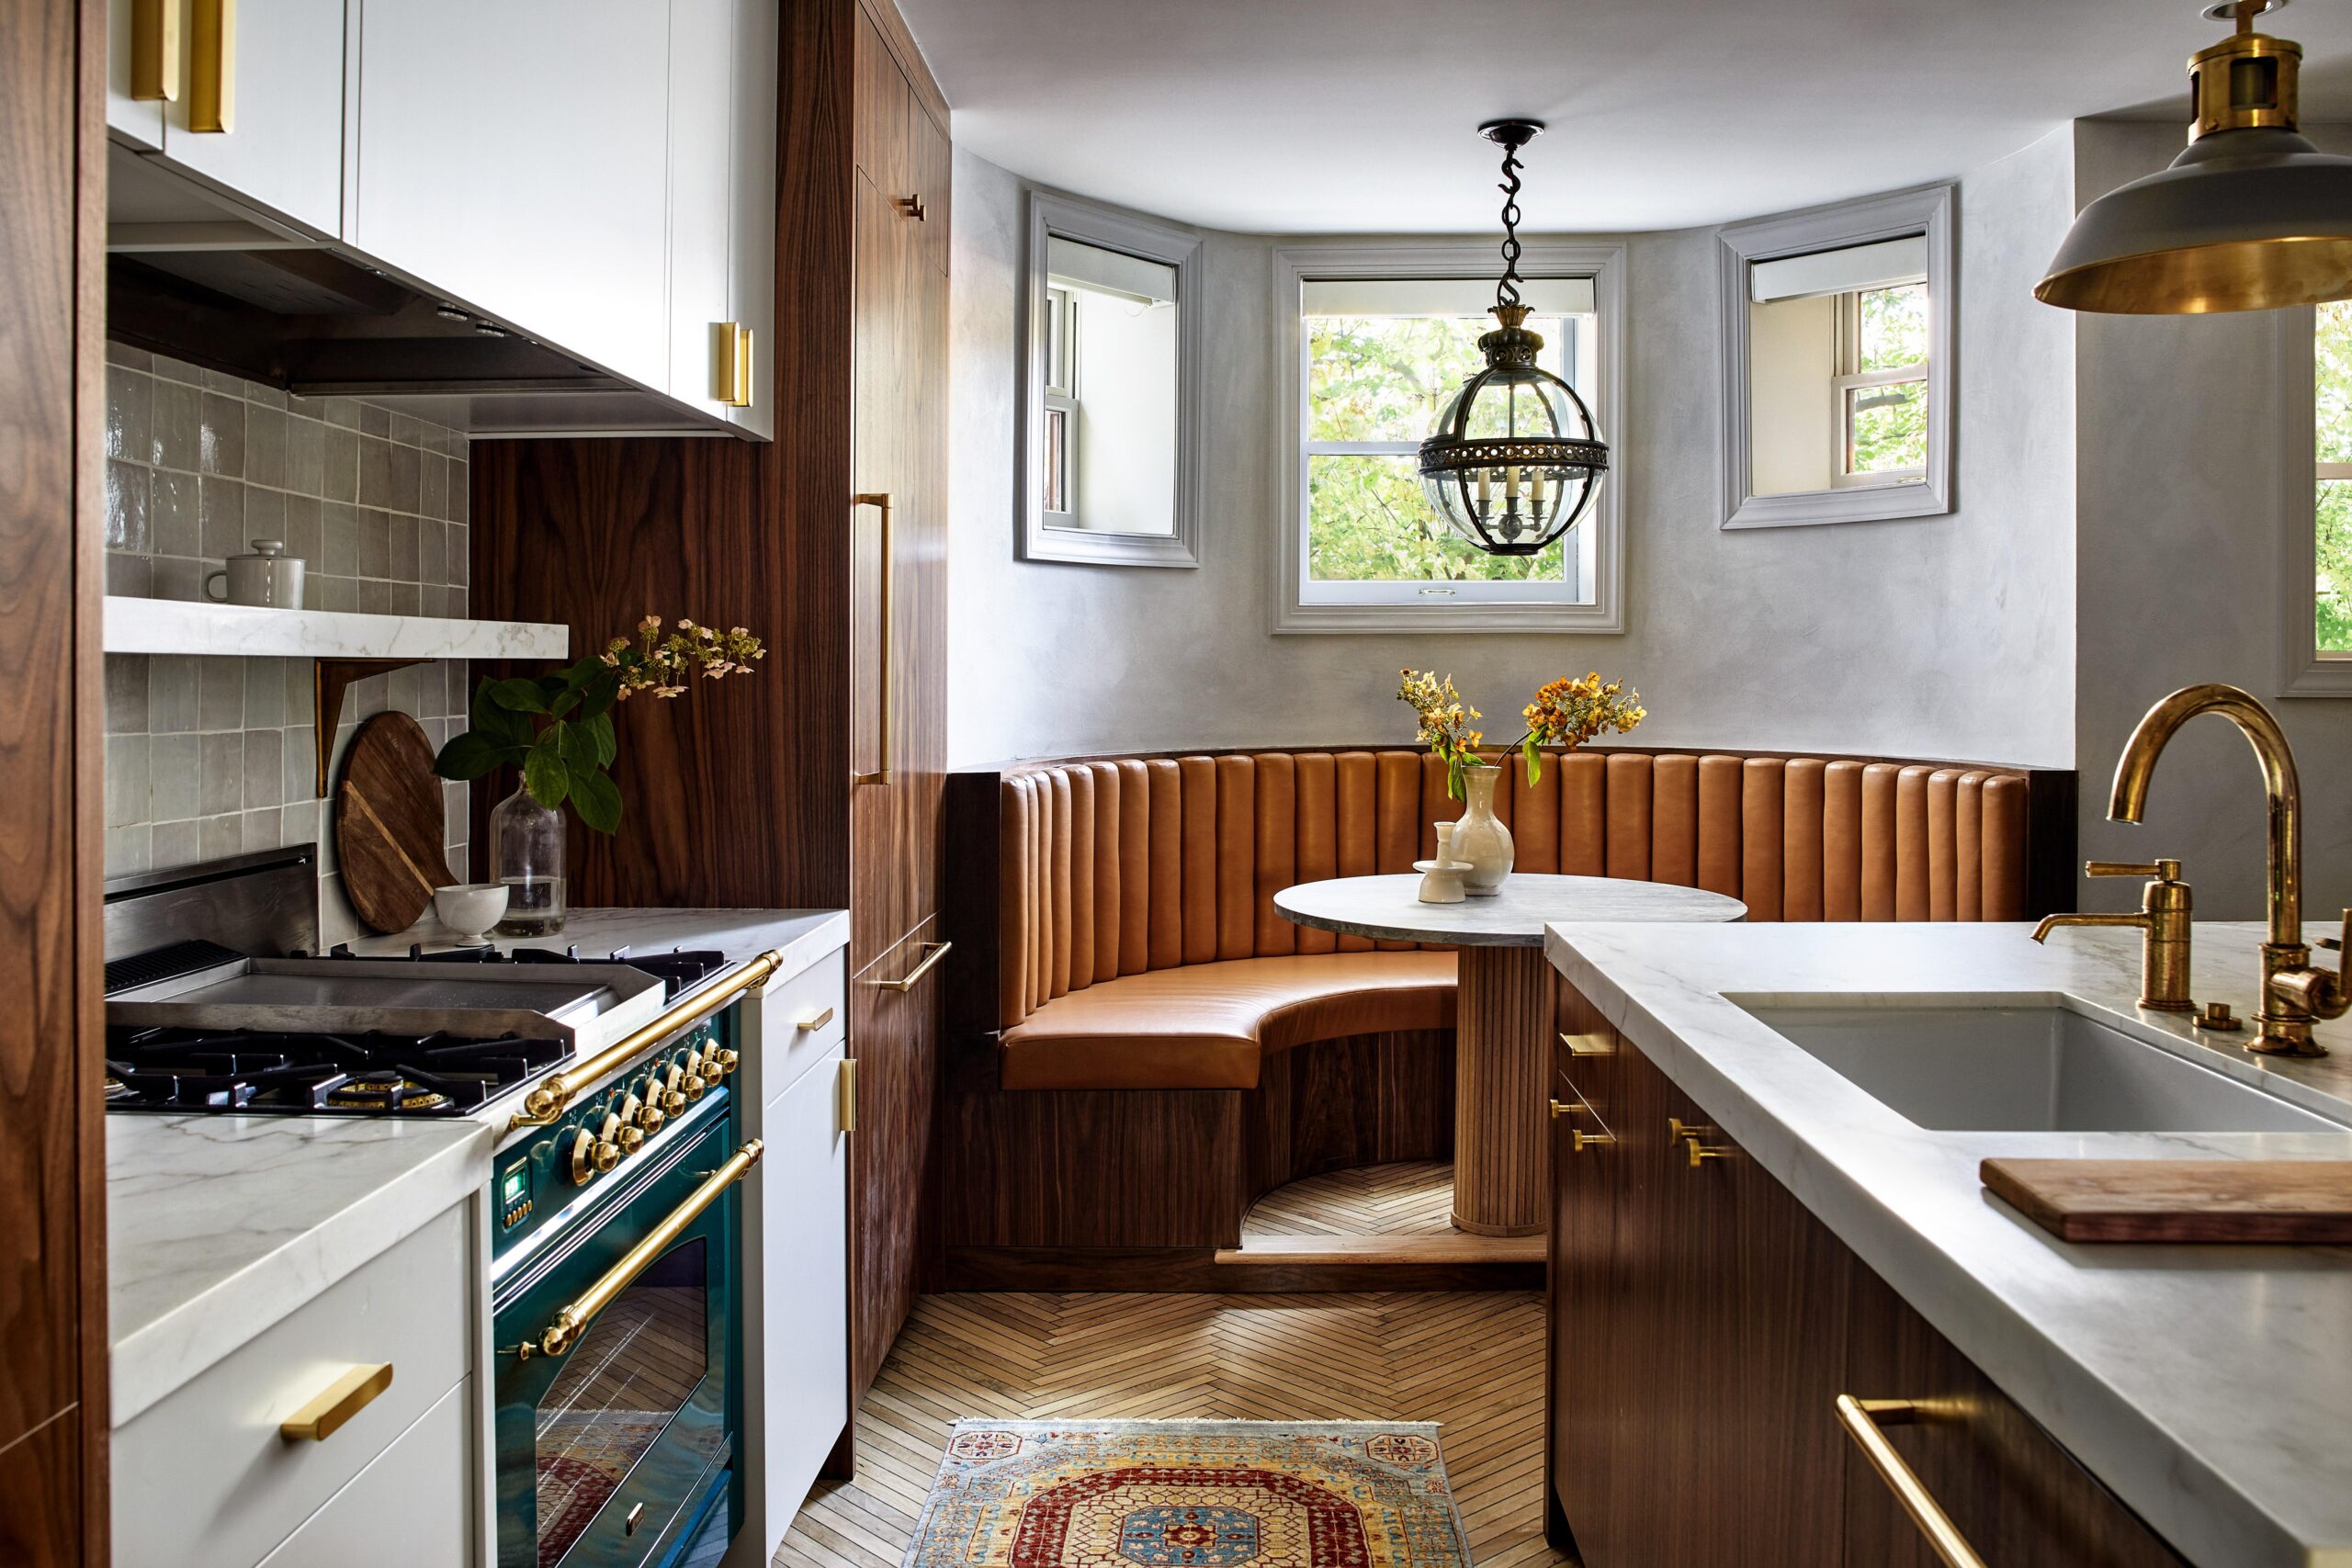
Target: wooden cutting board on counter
{"points": [[389, 823], [2304, 1202]]}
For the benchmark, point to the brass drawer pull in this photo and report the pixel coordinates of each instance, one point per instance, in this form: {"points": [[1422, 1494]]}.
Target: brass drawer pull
{"points": [[1579, 1140], [912, 206], [730, 364], [155, 50], [565, 1331], [1562, 1108], [212, 66], [548, 1098], [1862, 1418], [1596, 1043], [933, 952], [880, 501], [815, 1021], [336, 1403], [845, 1094]]}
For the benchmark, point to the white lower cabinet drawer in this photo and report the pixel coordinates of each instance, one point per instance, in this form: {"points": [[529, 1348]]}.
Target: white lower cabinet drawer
{"points": [[794, 1024], [206, 1478], [411, 1507]]}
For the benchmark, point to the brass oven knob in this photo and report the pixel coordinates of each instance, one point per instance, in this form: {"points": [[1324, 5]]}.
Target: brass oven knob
{"points": [[649, 1114], [725, 1060], [591, 1157], [630, 1137], [687, 1075]]}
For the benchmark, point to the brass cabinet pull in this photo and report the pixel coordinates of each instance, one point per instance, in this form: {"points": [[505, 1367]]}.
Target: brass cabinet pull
{"points": [[912, 206], [1579, 1140], [730, 364], [932, 952], [336, 1403], [1593, 1045], [564, 1331], [212, 66], [155, 50], [1700, 1153], [815, 1021], [846, 1092], [881, 773], [1862, 1418], [1562, 1108], [548, 1098]]}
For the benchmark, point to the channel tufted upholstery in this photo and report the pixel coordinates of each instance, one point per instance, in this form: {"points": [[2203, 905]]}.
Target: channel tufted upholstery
{"points": [[1140, 947]]}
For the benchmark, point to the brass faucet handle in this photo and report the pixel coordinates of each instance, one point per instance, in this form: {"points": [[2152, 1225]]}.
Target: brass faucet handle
{"points": [[2340, 943], [2162, 870]]}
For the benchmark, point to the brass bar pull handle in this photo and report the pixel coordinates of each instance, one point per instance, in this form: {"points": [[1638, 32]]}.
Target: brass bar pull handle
{"points": [[155, 50], [1862, 1420], [212, 66], [880, 500], [932, 952], [565, 1331], [349, 1394], [845, 1087], [548, 1098], [1562, 1108], [1579, 1140], [730, 364], [912, 206], [815, 1021], [1592, 1045]]}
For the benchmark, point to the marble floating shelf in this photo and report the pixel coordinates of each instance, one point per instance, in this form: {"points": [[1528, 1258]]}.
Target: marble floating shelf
{"points": [[180, 625]]}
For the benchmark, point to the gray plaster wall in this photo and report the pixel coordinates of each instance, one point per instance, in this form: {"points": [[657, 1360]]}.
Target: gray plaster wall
{"points": [[2181, 524], [1946, 637]]}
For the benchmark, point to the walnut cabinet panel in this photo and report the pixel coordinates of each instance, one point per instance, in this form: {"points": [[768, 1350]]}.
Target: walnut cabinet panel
{"points": [[1703, 1325]]}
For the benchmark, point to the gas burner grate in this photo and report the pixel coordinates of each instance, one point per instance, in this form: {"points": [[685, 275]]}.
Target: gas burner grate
{"points": [[261, 1072], [679, 970]]}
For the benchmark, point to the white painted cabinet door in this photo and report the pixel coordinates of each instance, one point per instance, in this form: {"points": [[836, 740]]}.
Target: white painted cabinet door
{"points": [[283, 149], [139, 121], [752, 274], [702, 47], [515, 153], [798, 1333]]}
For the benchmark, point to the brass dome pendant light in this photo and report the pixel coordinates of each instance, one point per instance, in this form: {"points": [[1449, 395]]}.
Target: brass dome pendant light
{"points": [[2251, 217], [1515, 460]]}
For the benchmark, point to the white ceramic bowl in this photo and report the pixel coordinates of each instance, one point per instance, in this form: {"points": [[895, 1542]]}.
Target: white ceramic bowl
{"points": [[471, 908]]}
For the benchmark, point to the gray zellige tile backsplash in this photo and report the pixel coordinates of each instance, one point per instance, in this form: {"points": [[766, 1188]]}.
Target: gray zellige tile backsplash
{"points": [[214, 756]]}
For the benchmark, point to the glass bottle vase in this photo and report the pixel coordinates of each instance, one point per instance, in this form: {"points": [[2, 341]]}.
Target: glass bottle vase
{"points": [[527, 855]]}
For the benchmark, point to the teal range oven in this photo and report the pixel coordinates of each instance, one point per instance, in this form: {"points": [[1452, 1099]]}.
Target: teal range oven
{"points": [[616, 1318]]}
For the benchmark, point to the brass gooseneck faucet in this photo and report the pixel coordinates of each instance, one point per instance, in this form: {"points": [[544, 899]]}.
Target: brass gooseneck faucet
{"points": [[2293, 992]]}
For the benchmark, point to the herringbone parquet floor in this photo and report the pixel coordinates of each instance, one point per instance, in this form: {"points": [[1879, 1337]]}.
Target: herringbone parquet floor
{"points": [[1473, 1362]]}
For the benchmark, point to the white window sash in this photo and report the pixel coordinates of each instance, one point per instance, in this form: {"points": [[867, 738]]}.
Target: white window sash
{"points": [[2304, 671], [1301, 604]]}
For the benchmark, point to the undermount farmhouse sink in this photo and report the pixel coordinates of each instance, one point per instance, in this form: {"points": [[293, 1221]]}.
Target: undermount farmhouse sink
{"points": [[2031, 1068]]}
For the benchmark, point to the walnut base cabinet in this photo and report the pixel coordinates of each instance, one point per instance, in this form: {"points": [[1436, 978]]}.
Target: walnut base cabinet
{"points": [[1703, 1325]]}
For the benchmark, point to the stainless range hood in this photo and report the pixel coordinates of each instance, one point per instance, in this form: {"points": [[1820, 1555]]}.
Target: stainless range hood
{"points": [[193, 274]]}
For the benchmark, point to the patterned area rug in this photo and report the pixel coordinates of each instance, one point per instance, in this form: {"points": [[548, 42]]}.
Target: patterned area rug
{"points": [[1190, 1494]]}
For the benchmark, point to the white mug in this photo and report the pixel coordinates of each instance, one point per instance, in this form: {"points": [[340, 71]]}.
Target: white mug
{"points": [[268, 578]]}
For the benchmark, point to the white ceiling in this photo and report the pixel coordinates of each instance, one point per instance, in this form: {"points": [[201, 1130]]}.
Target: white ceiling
{"points": [[1337, 115]]}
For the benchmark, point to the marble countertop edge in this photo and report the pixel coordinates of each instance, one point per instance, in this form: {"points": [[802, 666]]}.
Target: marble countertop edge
{"points": [[2214, 1507]]}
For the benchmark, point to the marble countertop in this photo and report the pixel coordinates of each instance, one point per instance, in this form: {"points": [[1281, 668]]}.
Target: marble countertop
{"points": [[2208, 1386], [1390, 907], [219, 1226]]}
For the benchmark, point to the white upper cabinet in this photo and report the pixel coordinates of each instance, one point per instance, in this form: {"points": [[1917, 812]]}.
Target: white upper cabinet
{"points": [[258, 95], [751, 271], [514, 155], [702, 334]]}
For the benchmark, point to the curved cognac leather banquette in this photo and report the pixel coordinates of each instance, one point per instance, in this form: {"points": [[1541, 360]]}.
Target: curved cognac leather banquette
{"points": [[1139, 946]]}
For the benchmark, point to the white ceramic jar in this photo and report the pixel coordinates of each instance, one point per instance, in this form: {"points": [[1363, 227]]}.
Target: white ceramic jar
{"points": [[268, 578]]}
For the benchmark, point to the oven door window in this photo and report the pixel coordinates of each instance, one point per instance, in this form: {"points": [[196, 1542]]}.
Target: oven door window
{"points": [[630, 1375]]}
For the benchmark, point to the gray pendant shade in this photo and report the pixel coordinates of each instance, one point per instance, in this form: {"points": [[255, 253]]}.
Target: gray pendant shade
{"points": [[2246, 219]]}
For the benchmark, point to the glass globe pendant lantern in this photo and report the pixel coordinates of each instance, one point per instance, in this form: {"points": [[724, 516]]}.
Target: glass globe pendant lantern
{"points": [[1515, 460]]}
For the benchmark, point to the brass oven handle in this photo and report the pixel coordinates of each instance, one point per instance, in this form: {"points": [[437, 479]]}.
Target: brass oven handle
{"points": [[548, 1098], [880, 500], [155, 50], [564, 1331], [349, 1394], [933, 952], [1862, 1418], [212, 66]]}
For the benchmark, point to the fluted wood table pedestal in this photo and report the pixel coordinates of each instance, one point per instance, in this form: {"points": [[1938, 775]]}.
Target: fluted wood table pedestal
{"points": [[1503, 1169]]}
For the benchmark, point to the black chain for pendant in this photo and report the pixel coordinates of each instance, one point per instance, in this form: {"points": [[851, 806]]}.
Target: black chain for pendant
{"points": [[1506, 290]]}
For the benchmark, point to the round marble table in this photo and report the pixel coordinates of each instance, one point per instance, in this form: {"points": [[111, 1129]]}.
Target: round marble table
{"points": [[1503, 1012]]}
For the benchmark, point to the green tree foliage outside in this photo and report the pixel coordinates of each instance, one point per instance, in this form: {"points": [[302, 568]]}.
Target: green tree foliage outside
{"points": [[1384, 379], [2332, 364], [1891, 421]]}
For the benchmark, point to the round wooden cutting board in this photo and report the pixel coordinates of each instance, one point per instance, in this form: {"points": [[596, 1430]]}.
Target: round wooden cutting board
{"points": [[389, 823]]}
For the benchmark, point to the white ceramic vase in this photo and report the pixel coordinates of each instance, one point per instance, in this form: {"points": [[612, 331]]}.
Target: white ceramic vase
{"points": [[1479, 839]]}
